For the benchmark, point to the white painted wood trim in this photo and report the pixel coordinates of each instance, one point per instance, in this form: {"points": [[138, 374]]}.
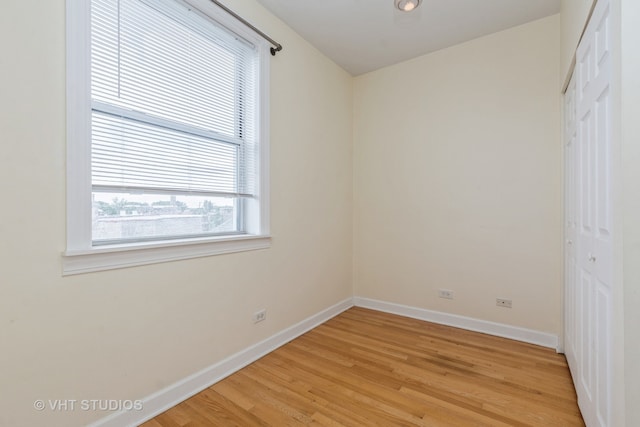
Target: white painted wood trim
{"points": [[78, 120], [131, 255], [498, 329], [169, 397], [80, 256]]}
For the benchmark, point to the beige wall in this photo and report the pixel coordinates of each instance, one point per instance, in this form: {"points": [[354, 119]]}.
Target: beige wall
{"points": [[457, 175], [574, 14], [457, 179], [630, 138], [124, 334]]}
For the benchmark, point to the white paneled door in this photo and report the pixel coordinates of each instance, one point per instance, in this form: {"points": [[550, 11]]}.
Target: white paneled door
{"points": [[588, 227], [570, 205]]}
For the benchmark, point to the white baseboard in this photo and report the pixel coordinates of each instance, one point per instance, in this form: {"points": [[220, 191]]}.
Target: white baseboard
{"points": [[498, 329], [167, 398]]}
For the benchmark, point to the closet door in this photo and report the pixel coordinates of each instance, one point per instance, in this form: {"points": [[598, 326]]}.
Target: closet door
{"points": [[593, 231], [571, 335]]}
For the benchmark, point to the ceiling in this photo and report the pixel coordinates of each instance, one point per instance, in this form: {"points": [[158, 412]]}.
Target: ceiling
{"points": [[364, 35]]}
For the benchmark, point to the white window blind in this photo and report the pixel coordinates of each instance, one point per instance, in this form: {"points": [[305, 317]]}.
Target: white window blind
{"points": [[174, 150]]}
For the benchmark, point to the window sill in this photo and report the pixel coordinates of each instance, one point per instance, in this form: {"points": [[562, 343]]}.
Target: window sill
{"points": [[123, 256]]}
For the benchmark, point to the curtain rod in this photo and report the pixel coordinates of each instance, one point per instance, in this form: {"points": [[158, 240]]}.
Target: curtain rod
{"points": [[277, 47]]}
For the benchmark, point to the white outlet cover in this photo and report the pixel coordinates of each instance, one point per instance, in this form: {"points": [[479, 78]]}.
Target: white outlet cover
{"points": [[259, 316]]}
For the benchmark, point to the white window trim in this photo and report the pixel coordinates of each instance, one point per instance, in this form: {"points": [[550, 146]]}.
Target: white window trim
{"points": [[80, 256]]}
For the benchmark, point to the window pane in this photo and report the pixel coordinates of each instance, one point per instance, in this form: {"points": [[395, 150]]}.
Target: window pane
{"points": [[173, 123], [128, 153], [160, 59], [131, 217]]}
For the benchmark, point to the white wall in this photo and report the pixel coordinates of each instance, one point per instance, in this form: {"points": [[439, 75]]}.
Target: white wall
{"points": [[574, 14], [124, 334], [457, 176]]}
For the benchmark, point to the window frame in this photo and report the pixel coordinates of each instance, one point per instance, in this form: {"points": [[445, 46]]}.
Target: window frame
{"points": [[81, 256]]}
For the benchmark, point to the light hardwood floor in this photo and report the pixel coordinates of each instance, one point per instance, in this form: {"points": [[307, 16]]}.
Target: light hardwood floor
{"points": [[365, 367]]}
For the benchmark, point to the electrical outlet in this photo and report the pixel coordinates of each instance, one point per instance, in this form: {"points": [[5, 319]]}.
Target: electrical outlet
{"points": [[445, 293], [506, 303], [259, 316]]}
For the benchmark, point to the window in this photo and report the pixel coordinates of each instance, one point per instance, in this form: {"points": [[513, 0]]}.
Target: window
{"points": [[167, 145]]}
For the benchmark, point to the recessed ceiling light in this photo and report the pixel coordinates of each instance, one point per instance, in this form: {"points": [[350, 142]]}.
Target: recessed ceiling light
{"points": [[406, 5]]}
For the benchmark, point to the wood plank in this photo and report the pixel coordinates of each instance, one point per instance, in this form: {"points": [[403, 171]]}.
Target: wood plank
{"points": [[365, 367]]}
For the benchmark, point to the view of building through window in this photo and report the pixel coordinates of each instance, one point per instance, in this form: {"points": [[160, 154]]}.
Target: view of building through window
{"points": [[121, 216]]}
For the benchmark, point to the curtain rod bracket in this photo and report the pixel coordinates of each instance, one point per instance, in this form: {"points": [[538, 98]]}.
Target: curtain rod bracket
{"points": [[277, 47]]}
